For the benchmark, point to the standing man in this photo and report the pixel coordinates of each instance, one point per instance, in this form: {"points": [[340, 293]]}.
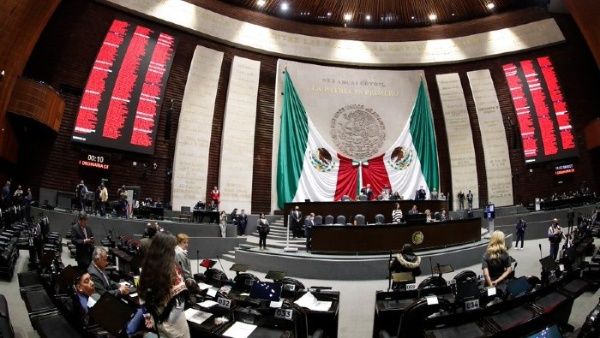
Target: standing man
{"points": [[367, 191], [215, 196], [570, 218], [97, 271], [181, 257], [521, 226], [470, 199], [81, 191], [103, 199], [242, 222], [421, 194], [122, 192], [296, 222], [555, 235], [83, 239], [308, 224], [461, 200]]}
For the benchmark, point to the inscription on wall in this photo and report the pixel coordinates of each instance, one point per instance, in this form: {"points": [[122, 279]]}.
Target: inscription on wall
{"points": [[460, 138], [190, 162], [237, 153], [493, 138]]}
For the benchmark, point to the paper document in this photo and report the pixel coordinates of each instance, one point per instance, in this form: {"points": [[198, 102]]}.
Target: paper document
{"points": [[196, 316], [203, 286], [276, 305], [133, 295], [310, 302], [207, 304], [239, 330]]}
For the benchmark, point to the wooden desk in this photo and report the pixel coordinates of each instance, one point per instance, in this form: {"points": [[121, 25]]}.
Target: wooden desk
{"points": [[391, 237], [368, 208]]}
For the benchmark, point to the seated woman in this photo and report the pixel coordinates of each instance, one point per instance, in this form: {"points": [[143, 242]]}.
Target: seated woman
{"points": [[406, 261], [496, 261]]}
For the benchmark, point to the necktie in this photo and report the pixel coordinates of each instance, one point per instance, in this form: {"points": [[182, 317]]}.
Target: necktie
{"points": [[85, 233]]}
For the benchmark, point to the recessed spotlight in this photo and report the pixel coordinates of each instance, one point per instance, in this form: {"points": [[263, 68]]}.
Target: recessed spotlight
{"points": [[347, 16], [261, 3], [368, 17], [432, 17], [453, 14], [490, 5], [285, 6], [328, 13], [412, 17]]}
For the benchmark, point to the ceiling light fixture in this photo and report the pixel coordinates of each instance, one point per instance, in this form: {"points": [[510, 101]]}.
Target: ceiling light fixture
{"points": [[328, 13], [432, 17], [261, 3], [412, 17], [285, 6], [347, 16], [491, 5], [368, 17]]}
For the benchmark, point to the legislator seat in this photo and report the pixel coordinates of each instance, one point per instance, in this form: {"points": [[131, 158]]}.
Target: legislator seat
{"points": [[359, 219], [340, 219], [185, 214], [329, 220], [379, 219], [318, 220]]}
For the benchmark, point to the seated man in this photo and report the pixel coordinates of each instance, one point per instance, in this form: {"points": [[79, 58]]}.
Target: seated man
{"points": [[102, 282], [86, 297]]}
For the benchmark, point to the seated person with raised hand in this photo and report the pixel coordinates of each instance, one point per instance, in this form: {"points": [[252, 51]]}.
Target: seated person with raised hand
{"points": [[496, 261], [102, 281]]}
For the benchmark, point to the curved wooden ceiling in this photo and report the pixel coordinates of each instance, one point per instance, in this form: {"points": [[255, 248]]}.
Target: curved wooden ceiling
{"points": [[377, 13]]}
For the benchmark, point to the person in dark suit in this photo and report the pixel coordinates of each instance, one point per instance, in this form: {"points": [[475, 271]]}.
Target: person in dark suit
{"points": [[83, 239], [296, 222], [97, 271], [242, 222], [309, 222], [367, 191], [421, 194]]}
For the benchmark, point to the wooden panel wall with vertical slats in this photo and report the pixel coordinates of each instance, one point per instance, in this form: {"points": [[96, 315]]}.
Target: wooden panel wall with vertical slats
{"points": [[37, 101], [68, 47]]}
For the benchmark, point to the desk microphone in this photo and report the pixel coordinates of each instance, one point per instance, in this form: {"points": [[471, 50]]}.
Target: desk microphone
{"points": [[198, 261]]}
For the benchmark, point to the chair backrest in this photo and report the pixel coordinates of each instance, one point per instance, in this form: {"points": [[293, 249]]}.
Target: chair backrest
{"points": [[341, 219], [329, 219], [464, 275], [362, 197], [186, 210], [413, 318], [379, 219], [318, 220], [360, 219]]}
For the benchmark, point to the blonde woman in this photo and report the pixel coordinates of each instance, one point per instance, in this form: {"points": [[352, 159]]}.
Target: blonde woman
{"points": [[496, 261]]}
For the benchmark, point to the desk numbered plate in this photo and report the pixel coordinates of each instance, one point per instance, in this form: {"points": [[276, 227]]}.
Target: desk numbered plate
{"points": [[286, 314], [224, 302], [472, 305], [411, 286]]}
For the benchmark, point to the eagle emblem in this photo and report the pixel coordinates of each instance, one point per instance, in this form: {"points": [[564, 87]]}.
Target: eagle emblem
{"points": [[321, 160], [400, 158]]}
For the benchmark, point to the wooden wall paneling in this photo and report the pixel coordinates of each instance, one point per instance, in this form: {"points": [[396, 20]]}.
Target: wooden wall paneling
{"points": [[22, 22], [68, 47], [586, 14], [37, 101]]}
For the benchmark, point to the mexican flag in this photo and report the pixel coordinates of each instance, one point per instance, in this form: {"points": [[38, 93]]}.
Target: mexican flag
{"points": [[309, 168]]}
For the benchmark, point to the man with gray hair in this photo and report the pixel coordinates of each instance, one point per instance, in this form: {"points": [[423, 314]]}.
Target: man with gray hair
{"points": [[97, 271]]}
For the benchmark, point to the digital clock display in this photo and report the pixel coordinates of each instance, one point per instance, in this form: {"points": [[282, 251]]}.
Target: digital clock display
{"points": [[94, 161]]}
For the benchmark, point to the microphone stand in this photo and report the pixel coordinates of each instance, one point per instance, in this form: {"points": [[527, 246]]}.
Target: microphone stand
{"points": [[390, 272]]}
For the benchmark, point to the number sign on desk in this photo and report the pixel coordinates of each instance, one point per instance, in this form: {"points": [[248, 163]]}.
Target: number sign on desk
{"points": [[472, 305], [224, 302], [287, 314]]}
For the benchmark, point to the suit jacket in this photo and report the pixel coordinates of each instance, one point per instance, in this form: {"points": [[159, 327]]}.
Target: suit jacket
{"points": [[296, 219], [367, 192], [102, 282], [83, 252], [184, 263]]}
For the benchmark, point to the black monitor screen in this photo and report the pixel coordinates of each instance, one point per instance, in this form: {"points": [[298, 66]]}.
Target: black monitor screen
{"points": [[518, 287], [266, 291], [547, 332]]}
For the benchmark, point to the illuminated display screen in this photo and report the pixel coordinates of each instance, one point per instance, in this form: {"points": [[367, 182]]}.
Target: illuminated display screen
{"points": [[121, 102], [542, 112]]}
